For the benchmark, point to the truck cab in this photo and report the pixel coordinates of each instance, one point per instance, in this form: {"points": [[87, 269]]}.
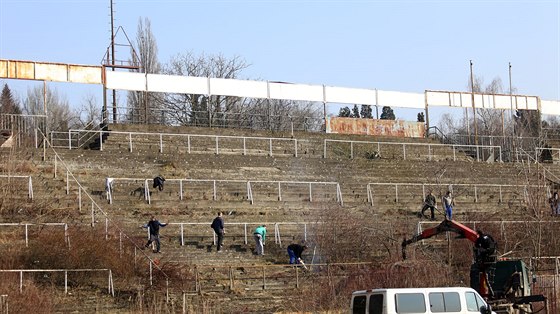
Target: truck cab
{"points": [[457, 300]]}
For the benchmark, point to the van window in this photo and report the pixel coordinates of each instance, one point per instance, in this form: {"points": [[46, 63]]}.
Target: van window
{"points": [[474, 302], [410, 303], [444, 302], [359, 305], [376, 304]]}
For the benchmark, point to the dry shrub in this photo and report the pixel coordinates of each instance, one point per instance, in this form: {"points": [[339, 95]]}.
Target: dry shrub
{"points": [[31, 300], [89, 249]]}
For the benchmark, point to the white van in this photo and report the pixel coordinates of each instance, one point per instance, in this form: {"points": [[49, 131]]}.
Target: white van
{"points": [[418, 301]]}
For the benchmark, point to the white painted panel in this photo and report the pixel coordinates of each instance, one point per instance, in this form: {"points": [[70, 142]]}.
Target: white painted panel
{"points": [[503, 102], [84, 74], [239, 88], [345, 95], [125, 80], [441, 99], [400, 99], [51, 72], [550, 107], [177, 84], [296, 91]]}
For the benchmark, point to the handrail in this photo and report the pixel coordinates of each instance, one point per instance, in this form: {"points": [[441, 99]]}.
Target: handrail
{"points": [[110, 287], [189, 136], [26, 225], [29, 183], [95, 206], [404, 144], [246, 233], [247, 183], [447, 185]]}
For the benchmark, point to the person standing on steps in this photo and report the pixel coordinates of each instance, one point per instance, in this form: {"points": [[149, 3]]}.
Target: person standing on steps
{"points": [[153, 227], [260, 238], [218, 226], [429, 203], [448, 203]]}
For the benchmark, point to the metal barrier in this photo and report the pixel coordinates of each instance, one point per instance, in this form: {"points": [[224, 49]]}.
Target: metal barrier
{"points": [[29, 183], [4, 304], [26, 226], [479, 148], [246, 232], [95, 206], [248, 183], [73, 136], [110, 287], [449, 186]]}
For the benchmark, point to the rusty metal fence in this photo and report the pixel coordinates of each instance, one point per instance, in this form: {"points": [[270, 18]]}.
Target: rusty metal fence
{"points": [[21, 129]]}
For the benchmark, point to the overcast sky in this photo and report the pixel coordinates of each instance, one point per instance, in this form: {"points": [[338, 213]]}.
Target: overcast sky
{"points": [[405, 46]]}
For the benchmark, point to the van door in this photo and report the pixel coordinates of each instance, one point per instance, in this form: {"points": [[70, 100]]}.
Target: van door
{"points": [[375, 304], [410, 303], [359, 304]]}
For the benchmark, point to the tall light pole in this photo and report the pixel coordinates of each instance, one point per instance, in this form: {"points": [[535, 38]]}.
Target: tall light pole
{"points": [[511, 99], [473, 106]]}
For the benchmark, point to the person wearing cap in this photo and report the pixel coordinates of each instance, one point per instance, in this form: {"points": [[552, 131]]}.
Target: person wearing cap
{"points": [[260, 238]]}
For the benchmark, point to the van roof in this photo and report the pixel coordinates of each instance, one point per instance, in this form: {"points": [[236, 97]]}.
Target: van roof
{"points": [[405, 290]]}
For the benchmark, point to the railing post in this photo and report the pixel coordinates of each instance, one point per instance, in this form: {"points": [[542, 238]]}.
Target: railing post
{"points": [[101, 140], [279, 192], [182, 235], [69, 140], [217, 149], [475, 195], [21, 282], [295, 147], [396, 193], [429, 152], [65, 282], [160, 143], [351, 150], [181, 189], [30, 185], [92, 214], [404, 151], [151, 275], [244, 147], [305, 231], [454, 154], [310, 196], [270, 147], [214, 196], [26, 235], [245, 231], [130, 142], [79, 198], [106, 228], [189, 144], [67, 183], [325, 148]]}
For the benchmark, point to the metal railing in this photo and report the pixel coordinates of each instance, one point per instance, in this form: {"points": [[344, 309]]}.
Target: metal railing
{"points": [[446, 186], [161, 136], [4, 304], [110, 287], [27, 225], [482, 152], [95, 207], [246, 233], [253, 121], [29, 183], [247, 183]]}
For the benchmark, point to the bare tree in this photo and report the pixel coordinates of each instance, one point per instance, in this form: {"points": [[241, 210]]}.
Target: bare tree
{"points": [[89, 113], [59, 115], [142, 106], [201, 109]]}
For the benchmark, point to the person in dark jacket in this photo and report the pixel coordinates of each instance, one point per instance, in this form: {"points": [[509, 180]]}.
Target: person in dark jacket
{"points": [[295, 251], [153, 227], [429, 203], [158, 182], [218, 226]]}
